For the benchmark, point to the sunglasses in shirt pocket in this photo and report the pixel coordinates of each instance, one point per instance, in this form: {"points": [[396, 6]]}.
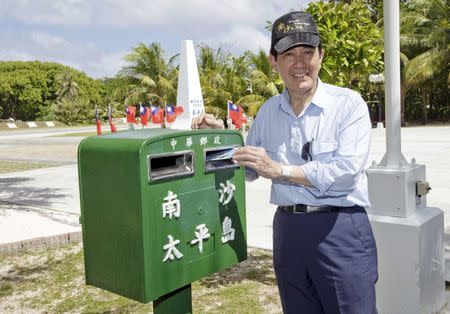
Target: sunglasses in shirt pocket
{"points": [[323, 150]]}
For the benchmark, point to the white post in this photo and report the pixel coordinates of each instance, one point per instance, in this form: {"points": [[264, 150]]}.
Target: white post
{"points": [[189, 93], [393, 157]]}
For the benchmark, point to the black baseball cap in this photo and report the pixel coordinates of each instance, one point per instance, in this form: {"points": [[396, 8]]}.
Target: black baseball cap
{"points": [[293, 29]]}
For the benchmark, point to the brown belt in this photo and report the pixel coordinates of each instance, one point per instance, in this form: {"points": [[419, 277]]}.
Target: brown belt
{"points": [[305, 209]]}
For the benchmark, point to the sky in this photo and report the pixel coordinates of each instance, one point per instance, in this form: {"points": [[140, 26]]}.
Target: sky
{"points": [[94, 35]]}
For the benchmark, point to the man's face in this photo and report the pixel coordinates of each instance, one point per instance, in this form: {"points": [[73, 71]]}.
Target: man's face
{"points": [[299, 67]]}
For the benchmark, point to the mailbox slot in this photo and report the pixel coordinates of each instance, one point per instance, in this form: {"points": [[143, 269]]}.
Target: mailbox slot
{"points": [[218, 158], [172, 165]]}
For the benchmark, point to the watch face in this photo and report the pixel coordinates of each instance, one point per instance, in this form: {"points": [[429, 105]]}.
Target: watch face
{"points": [[286, 171]]}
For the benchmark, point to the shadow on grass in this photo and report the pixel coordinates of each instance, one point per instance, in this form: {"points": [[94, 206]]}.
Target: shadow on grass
{"points": [[258, 268], [24, 274]]}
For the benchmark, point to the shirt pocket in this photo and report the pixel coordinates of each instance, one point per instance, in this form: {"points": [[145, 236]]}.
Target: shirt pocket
{"points": [[323, 150], [275, 151]]}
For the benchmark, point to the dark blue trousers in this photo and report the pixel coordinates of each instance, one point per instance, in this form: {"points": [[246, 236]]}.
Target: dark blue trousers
{"points": [[325, 262]]}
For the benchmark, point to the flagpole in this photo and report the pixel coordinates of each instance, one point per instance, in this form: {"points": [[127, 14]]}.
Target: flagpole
{"points": [[140, 116], [228, 114], [163, 125], [97, 122]]}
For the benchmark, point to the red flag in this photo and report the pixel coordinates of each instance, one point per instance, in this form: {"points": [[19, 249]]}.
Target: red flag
{"points": [[178, 110], [111, 124], [157, 115], [172, 112], [236, 114], [131, 114], [145, 114], [98, 122], [237, 124]]}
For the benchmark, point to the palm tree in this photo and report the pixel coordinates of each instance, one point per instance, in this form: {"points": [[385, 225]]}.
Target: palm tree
{"points": [[221, 77], [69, 107], [148, 77], [425, 41], [264, 82], [69, 88]]}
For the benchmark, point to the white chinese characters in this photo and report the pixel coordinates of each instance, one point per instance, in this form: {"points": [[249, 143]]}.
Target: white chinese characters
{"points": [[171, 250], [226, 192], [189, 142], [203, 140], [173, 143], [198, 234], [228, 231], [171, 206], [201, 234]]}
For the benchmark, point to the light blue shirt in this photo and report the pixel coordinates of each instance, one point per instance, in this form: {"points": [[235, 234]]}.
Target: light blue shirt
{"points": [[338, 125]]}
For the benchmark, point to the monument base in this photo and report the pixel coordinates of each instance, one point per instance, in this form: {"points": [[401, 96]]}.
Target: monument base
{"points": [[410, 262]]}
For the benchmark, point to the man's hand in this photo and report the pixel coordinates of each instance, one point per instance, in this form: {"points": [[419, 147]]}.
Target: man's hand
{"points": [[257, 159], [206, 121]]}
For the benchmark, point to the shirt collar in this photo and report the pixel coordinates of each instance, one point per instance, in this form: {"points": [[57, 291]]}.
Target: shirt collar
{"points": [[320, 98], [285, 104]]}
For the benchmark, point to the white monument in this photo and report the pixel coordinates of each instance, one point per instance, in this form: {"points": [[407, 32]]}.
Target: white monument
{"points": [[189, 93], [409, 235]]}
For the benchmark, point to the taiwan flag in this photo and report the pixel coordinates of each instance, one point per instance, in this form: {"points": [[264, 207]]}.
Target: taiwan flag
{"points": [[111, 124], [172, 112], [236, 114], [98, 122], [145, 114], [157, 114], [131, 114]]}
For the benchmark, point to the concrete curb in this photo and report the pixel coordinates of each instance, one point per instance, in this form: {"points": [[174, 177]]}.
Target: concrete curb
{"points": [[41, 243]]}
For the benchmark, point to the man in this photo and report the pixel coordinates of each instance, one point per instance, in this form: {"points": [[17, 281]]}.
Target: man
{"points": [[312, 141]]}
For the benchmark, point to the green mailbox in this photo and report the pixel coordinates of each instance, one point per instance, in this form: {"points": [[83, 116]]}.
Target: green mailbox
{"points": [[160, 208]]}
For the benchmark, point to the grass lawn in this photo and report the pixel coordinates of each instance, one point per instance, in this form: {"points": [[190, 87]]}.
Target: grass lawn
{"points": [[52, 281], [11, 166]]}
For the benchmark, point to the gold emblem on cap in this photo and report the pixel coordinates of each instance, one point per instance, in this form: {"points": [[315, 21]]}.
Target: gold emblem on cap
{"points": [[281, 27], [293, 25]]}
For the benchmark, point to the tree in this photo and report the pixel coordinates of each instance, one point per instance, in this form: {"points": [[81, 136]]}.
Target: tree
{"points": [[28, 90], [425, 43], [264, 82], [375, 7], [222, 77], [72, 111], [352, 43], [148, 77], [69, 88], [110, 94]]}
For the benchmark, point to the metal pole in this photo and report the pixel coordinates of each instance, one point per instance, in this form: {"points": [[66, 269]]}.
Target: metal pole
{"points": [[393, 158], [378, 111], [175, 302]]}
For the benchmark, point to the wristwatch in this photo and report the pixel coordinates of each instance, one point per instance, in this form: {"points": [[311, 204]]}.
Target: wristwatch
{"points": [[286, 172]]}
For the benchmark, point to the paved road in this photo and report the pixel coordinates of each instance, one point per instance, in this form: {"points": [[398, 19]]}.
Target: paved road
{"points": [[42, 145], [56, 188]]}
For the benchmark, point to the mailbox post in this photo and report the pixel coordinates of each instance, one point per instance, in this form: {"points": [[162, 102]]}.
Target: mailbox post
{"points": [[159, 210]]}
